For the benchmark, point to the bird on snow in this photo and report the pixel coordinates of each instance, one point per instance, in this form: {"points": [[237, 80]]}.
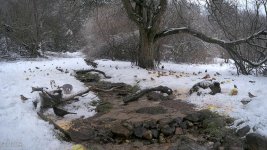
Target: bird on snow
{"points": [[245, 101], [60, 112], [251, 95], [23, 98], [235, 86], [35, 104]]}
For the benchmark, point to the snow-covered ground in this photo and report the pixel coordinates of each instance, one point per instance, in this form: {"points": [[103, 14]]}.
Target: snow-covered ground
{"points": [[253, 114], [20, 127]]}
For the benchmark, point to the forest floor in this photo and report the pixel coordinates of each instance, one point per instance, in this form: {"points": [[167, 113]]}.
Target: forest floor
{"points": [[152, 122], [153, 119]]}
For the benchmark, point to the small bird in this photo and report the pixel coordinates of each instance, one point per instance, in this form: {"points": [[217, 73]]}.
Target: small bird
{"points": [[23, 98], [35, 104], [162, 67], [245, 101], [206, 70], [235, 86], [251, 95], [60, 112]]}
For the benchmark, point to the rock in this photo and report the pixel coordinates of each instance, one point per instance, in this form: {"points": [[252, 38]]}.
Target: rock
{"points": [[151, 124], [120, 130], [127, 125], [167, 130], [183, 125], [176, 122], [78, 147], [243, 131], [217, 122], [255, 141], [162, 139], [138, 144], [139, 131], [155, 133], [179, 131], [154, 96], [165, 121], [194, 117], [148, 135]]}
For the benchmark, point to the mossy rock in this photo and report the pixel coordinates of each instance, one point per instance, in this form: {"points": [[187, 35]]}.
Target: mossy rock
{"points": [[104, 107], [88, 77], [94, 103]]}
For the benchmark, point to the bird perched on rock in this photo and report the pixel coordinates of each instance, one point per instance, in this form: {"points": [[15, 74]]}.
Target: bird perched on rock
{"points": [[23, 98], [251, 95], [60, 112]]}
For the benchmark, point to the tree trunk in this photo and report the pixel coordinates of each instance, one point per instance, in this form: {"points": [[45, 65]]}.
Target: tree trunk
{"points": [[146, 49]]}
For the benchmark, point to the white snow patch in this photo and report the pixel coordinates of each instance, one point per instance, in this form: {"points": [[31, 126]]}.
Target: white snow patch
{"points": [[20, 126]]}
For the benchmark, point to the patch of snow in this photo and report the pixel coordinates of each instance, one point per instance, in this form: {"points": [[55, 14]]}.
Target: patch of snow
{"points": [[20, 126]]}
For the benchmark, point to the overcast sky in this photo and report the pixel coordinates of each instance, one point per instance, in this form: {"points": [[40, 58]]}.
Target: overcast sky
{"points": [[242, 4]]}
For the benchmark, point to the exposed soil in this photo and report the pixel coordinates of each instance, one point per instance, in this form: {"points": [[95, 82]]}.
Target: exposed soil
{"points": [[167, 123]]}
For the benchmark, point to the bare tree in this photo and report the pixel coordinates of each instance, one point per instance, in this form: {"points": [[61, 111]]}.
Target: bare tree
{"points": [[147, 14]]}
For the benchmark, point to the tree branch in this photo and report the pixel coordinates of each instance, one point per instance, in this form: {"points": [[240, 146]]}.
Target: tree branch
{"points": [[206, 38], [192, 32], [131, 13], [157, 16]]}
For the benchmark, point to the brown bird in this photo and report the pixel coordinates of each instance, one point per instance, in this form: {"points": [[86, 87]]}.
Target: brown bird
{"points": [[60, 112], [23, 98], [251, 95]]}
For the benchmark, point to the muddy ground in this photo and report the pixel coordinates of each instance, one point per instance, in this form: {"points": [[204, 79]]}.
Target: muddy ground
{"points": [[155, 121]]}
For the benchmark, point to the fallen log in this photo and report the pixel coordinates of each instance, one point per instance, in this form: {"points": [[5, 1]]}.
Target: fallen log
{"points": [[54, 98], [69, 98], [108, 90], [38, 89], [136, 96], [92, 70]]}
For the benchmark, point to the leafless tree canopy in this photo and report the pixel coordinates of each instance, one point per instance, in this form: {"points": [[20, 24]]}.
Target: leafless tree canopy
{"points": [[142, 31]]}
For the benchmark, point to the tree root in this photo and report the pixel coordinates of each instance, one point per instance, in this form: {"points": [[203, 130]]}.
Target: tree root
{"points": [[93, 70], [137, 95]]}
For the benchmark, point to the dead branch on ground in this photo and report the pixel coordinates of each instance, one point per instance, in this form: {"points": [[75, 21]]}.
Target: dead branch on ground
{"points": [[136, 96], [92, 70]]}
